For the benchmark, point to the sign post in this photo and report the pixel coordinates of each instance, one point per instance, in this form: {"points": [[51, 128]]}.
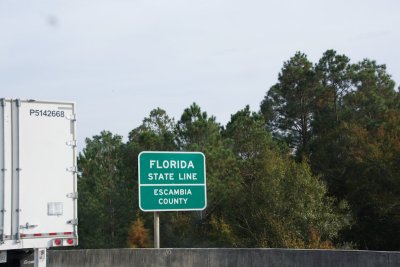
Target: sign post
{"points": [[156, 229], [171, 181]]}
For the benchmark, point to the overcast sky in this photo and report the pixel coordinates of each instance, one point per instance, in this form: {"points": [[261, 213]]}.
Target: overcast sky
{"points": [[119, 59]]}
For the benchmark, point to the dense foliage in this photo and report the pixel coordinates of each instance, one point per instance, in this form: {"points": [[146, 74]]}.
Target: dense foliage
{"points": [[316, 167]]}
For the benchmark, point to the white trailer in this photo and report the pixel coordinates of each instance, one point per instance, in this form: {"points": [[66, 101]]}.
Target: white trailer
{"points": [[38, 176]]}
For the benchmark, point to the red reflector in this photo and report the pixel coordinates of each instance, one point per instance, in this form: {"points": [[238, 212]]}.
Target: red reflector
{"points": [[57, 242], [52, 233], [70, 241], [37, 234], [23, 235], [67, 233]]}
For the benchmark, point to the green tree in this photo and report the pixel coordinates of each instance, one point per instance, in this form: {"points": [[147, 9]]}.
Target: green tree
{"points": [[281, 203], [105, 198], [156, 133], [372, 183], [333, 73], [369, 145], [373, 94], [288, 105], [353, 140], [350, 140], [196, 131]]}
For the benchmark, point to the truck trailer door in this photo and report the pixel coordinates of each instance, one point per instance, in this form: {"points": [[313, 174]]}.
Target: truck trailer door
{"points": [[5, 169], [45, 178]]}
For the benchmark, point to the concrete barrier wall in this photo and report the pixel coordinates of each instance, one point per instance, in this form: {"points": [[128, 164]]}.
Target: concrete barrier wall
{"points": [[221, 258]]}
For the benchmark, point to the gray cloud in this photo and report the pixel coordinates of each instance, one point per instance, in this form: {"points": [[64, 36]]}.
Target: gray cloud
{"points": [[120, 59]]}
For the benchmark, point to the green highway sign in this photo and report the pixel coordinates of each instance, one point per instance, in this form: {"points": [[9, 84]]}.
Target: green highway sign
{"points": [[172, 181]]}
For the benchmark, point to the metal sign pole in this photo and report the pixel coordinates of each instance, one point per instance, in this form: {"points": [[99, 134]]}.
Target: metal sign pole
{"points": [[156, 230]]}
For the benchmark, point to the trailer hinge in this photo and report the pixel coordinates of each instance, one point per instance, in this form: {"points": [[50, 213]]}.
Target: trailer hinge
{"points": [[18, 238], [3, 210], [71, 143], [73, 222], [18, 169], [73, 195], [73, 169], [71, 117], [3, 170], [3, 102], [28, 226], [18, 102]]}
